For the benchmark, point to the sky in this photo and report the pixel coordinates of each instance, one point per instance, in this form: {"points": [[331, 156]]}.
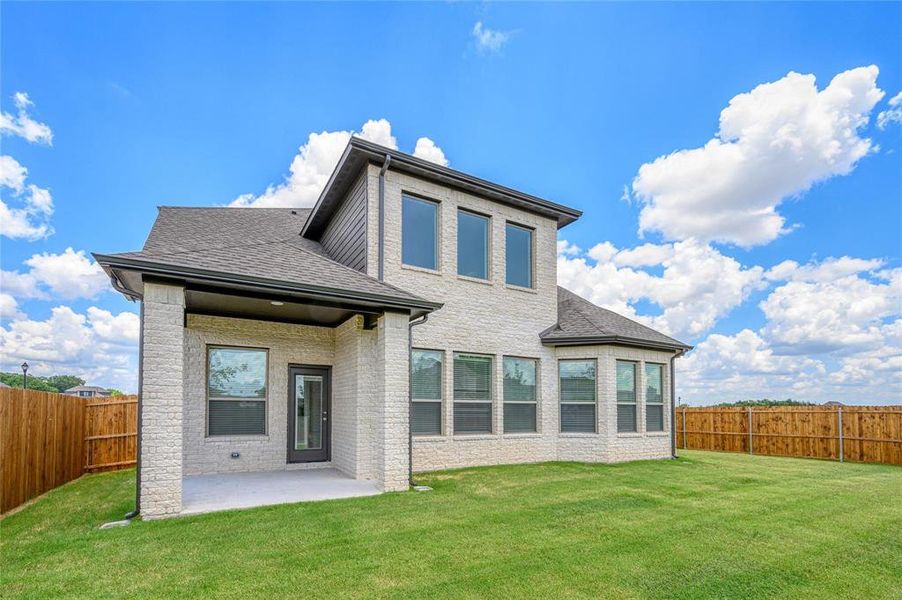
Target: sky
{"points": [[738, 165]]}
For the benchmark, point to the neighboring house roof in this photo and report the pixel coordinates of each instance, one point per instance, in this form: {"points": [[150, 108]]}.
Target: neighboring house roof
{"points": [[252, 246], [581, 323], [3, 385], [86, 388], [360, 152]]}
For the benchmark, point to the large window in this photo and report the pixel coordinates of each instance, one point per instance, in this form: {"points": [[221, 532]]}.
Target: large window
{"points": [[472, 393], [654, 397], [626, 396], [472, 245], [577, 395], [419, 233], [518, 253], [236, 391], [519, 395], [426, 392]]}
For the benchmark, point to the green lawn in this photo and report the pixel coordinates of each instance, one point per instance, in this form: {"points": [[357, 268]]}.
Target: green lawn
{"points": [[724, 525]]}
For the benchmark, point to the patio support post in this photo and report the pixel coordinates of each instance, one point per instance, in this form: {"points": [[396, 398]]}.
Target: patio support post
{"points": [[392, 426], [162, 387]]}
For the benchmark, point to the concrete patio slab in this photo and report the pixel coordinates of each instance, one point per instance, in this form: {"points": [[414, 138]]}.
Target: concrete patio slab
{"points": [[226, 491]]}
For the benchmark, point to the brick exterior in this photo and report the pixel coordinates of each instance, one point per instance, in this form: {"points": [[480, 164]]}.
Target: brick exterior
{"points": [[161, 418]]}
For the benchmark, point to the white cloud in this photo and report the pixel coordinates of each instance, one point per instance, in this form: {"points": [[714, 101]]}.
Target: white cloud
{"points": [[489, 40], [315, 161], [427, 150], [67, 275], [22, 125], [832, 331], [774, 142], [31, 219], [893, 114], [98, 346], [9, 308], [698, 285]]}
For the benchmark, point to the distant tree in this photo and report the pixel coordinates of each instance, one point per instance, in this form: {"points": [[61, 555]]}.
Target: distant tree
{"points": [[34, 382], [766, 402], [64, 382], [115, 392]]}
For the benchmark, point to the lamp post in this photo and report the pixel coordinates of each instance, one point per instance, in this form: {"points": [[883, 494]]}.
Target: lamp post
{"points": [[25, 375]]}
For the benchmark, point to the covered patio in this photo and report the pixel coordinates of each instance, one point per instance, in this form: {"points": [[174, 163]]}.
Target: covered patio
{"points": [[227, 491]]}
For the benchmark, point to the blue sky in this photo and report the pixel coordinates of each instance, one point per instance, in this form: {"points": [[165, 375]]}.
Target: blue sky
{"points": [[198, 104]]}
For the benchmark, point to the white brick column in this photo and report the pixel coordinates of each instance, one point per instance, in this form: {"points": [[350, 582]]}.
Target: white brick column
{"points": [[392, 373], [162, 388]]}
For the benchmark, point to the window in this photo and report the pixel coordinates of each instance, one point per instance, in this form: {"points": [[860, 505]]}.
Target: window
{"points": [[426, 392], [472, 245], [577, 395], [472, 393], [236, 391], [519, 395], [518, 254], [626, 396], [654, 397], [419, 233]]}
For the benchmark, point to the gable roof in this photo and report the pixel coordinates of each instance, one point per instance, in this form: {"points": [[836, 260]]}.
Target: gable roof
{"points": [[254, 246], [360, 152], [582, 323], [87, 388]]}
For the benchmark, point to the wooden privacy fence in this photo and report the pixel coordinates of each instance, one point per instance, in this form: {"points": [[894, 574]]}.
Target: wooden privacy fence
{"points": [[854, 433], [48, 439]]}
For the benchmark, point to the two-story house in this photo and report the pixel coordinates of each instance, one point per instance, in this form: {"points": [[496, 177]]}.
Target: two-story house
{"points": [[410, 321]]}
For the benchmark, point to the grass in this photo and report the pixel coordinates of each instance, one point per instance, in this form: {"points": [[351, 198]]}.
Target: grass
{"points": [[707, 525]]}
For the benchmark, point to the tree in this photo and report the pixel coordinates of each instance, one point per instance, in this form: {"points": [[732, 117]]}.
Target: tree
{"points": [[64, 382], [34, 382], [115, 392]]}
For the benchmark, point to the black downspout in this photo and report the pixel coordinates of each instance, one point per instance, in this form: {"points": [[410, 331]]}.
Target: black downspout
{"points": [[410, 327], [381, 238], [137, 510]]}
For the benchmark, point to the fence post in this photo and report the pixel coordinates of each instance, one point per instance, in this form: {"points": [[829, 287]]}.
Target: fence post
{"points": [[839, 418], [750, 431], [685, 445]]}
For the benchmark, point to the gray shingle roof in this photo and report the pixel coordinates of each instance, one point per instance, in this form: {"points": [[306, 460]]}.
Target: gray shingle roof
{"points": [[580, 321], [86, 388], [262, 243]]}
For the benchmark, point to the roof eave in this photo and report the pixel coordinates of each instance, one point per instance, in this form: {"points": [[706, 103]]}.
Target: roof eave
{"points": [[613, 340], [371, 152], [110, 263]]}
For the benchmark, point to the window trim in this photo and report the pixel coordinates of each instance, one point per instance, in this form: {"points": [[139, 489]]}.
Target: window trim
{"points": [[488, 244], [490, 401], [561, 403], [532, 255], [662, 403], [635, 402], [504, 401], [437, 232], [441, 400], [208, 397]]}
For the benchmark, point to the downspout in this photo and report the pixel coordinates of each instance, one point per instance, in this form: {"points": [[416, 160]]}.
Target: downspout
{"points": [[410, 327], [137, 511], [673, 448], [382, 171]]}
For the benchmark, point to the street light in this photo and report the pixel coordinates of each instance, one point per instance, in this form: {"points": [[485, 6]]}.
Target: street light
{"points": [[25, 375]]}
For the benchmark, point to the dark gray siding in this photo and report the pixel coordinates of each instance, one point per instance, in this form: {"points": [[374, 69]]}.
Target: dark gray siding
{"points": [[345, 236]]}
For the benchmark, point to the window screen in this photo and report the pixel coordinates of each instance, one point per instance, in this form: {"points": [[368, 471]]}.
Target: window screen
{"points": [[419, 232], [626, 396], [472, 393], [519, 395], [426, 392], [518, 255], [472, 245], [236, 391], [577, 391], [654, 397]]}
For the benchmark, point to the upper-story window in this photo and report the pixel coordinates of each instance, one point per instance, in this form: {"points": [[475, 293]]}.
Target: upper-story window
{"points": [[419, 233], [472, 245], [518, 252]]}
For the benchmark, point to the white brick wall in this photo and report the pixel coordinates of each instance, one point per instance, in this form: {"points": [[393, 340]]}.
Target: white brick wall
{"points": [[392, 369], [161, 419]]}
